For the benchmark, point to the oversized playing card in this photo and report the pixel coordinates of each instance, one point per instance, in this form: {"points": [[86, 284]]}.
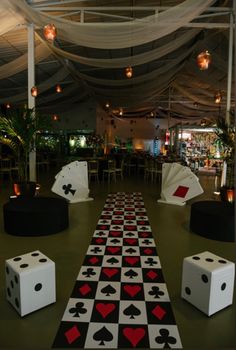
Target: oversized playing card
{"points": [[77, 169], [183, 190], [72, 182], [120, 299], [65, 186]]}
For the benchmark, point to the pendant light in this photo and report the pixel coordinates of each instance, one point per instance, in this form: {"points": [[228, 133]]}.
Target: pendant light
{"points": [[50, 32], [58, 88], [129, 72], [34, 91], [218, 97], [203, 60]]}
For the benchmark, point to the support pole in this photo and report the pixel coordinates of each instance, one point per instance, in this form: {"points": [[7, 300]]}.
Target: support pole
{"points": [[230, 68], [31, 99]]}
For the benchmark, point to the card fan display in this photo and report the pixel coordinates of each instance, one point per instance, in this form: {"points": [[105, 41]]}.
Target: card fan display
{"points": [[120, 299], [72, 182], [178, 184]]}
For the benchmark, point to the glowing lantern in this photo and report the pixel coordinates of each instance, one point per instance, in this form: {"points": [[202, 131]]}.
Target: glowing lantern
{"points": [[55, 117], [50, 32], [129, 72], [58, 88], [203, 60], [218, 97], [8, 105], [34, 91]]}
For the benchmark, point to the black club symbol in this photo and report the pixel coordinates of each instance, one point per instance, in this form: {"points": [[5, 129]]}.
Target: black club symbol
{"points": [[68, 189], [165, 338], [78, 309]]}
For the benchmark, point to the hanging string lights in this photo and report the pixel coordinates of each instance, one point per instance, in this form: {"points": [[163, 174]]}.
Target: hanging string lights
{"points": [[50, 32], [204, 60]]}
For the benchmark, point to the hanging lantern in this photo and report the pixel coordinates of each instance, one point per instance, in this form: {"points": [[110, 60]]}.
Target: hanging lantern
{"points": [[8, 105], [203, 60], [58, 88], [121, 112], [34, 91], [55, 117], [218, 97], [50, 32], [129, 72], [107, 105]]}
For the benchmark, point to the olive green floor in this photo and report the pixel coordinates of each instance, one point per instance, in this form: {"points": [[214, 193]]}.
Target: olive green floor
{"points": [[170, 227]]}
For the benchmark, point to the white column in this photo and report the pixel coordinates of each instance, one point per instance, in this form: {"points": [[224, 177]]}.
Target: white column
{"points": [[230, 69], [31, 99]]}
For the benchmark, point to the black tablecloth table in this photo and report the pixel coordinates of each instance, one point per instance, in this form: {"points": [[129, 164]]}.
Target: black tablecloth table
{"points": [[35, 216], [213, 220]]}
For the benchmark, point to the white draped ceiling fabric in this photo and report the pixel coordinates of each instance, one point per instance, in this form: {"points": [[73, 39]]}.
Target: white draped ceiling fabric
{"points": [[90, 57]]}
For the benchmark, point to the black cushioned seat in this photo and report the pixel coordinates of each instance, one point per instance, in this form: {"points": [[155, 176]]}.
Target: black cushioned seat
{"points": [[213, 219], [35, 216]]}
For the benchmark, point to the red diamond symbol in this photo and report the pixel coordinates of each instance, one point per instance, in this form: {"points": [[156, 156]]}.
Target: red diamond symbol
{"points": [[99, 240], [85, 289], [93, 260], [181, 191], [152, 274], [148, 251], [72, 334], [158, 312]]}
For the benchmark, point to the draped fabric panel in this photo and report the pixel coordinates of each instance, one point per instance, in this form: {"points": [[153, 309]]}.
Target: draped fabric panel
{"points": [[135, 60], [20, 64], [117, 35], [43, 86]]}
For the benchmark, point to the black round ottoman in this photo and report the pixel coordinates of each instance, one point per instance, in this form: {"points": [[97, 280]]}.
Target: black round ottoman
{"points": [[35, 216], [213, 219]]}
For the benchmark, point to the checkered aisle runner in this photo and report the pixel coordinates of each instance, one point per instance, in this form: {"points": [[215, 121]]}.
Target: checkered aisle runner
{"points": [[120, 299]]}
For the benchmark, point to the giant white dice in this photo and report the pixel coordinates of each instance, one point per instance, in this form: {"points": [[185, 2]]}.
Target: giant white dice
{"points": [[208, 282], [30, 282]]}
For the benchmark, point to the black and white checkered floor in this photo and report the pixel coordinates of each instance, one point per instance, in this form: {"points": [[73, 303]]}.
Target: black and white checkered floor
{"points": [[120, 299]]}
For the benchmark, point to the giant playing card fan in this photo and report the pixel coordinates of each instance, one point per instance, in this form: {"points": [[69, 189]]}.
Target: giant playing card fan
{"points": [[179, 184], [72, 182]]}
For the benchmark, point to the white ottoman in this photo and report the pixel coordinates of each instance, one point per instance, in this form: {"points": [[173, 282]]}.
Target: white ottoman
{"points": [[30, 282], [208, 282]]}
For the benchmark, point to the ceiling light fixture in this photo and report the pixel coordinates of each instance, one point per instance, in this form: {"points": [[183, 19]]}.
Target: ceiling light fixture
{"points": [[129, 72], [55, 117], [50, 32], [218, 97], [34, 91], [58, 88], [203, 60]]}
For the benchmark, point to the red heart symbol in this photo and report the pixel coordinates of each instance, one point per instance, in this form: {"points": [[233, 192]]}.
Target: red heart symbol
{"points": [[105, 309], [134, 335], [131, 240], [113, 250], [132, 290], [110, 272], [131, 260], [115, 233]]}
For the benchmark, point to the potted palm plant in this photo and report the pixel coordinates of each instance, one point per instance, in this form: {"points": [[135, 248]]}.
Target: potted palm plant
{"points": [[226, 136], [18, 130]]}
